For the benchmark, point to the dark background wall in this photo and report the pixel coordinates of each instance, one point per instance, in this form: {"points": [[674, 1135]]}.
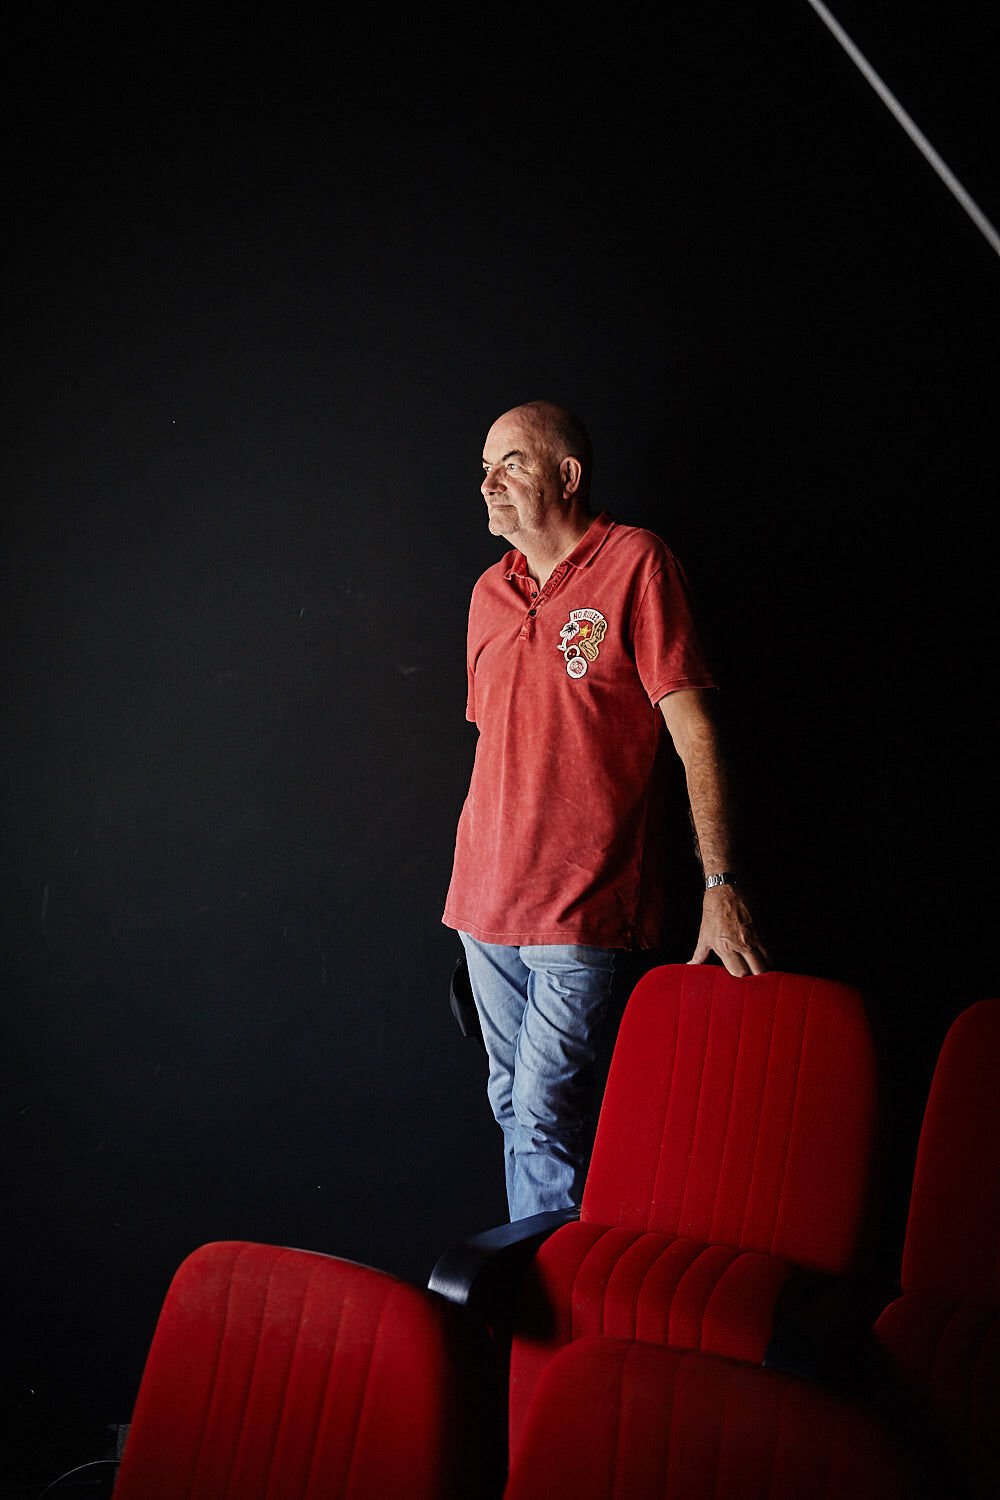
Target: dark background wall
{"points": [[270, 277]]}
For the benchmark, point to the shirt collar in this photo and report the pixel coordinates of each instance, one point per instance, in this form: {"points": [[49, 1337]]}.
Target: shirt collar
{"points": [[583, 553]]}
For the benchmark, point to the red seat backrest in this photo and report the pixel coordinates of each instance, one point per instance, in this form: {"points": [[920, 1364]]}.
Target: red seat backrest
{"points": [[739, 1112], [284, 1375], [612, 1418], [952, 1244]]}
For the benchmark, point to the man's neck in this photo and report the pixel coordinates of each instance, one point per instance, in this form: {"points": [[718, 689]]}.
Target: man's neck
{"points": [[545, 551]]}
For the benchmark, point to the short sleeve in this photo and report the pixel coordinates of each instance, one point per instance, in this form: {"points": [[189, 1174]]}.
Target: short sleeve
{"points": [[668, 651]]}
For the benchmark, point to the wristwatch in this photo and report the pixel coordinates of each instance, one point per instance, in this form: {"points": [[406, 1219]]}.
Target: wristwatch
{"points": [[725, 877]]}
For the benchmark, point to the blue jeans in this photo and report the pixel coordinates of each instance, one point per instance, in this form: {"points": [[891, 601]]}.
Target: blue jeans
{"points": [[541, 1009]]}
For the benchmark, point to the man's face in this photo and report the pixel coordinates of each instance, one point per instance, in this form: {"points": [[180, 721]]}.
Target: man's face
{"points": [[522, 485]]}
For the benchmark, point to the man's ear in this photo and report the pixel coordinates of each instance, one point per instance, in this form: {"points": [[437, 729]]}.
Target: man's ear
{"points": [[570, 472]]}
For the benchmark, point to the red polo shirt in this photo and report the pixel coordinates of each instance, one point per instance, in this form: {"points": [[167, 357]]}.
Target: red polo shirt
{"points": [[556, 842]]}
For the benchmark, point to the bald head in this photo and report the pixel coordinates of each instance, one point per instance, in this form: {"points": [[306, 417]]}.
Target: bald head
{"points": [[561, 432]]}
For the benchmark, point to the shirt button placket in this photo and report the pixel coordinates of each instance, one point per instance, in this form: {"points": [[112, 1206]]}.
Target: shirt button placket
{"points": [[540, 598]]}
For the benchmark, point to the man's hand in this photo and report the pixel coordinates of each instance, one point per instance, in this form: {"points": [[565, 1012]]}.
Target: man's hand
{"points": [[727, 929]]}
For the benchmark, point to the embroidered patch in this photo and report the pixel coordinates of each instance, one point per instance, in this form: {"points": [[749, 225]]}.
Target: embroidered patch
{"points": [[580, 639]]}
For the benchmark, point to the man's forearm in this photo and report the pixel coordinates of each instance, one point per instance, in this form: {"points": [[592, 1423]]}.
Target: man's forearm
{"points": [[727, 927], [710, 801]]}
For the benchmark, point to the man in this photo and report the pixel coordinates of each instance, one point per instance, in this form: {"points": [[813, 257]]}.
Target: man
{"points": [[583, 667]]}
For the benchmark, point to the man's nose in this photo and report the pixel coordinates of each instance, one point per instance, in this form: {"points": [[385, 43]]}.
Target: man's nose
{"points": [[492, 482]]}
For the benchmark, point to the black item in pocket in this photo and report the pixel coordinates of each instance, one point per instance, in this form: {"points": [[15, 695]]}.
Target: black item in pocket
{"points": [[463, 1006]]}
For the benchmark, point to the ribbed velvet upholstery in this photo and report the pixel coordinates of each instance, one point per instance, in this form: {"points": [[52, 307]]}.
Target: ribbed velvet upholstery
{"points": [[941, 1338], [952, 1244], [738, 1112], [734, 1144], [614, 1420], [283, 1375]]}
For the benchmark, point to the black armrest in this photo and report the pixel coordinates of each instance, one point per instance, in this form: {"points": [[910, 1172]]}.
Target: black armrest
{"points": [[822, 1324], [482, 1273]]}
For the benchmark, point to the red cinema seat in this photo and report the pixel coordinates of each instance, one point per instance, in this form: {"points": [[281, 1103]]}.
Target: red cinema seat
{"points": [[733, 1151], [940, 1340], [618, 1420], [283, 1375]]}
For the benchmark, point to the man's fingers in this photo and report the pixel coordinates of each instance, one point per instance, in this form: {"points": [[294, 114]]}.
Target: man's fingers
{"points": [[758, 961], [738, 962]]}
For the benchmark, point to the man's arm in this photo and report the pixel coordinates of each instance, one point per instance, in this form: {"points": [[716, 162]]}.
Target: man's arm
{"points": [[726, 924]]}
